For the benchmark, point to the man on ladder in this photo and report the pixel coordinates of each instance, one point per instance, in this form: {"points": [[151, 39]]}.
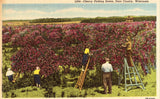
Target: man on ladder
{"points": [[85, 63], [128, 49], [85, 56], [130, 70]]}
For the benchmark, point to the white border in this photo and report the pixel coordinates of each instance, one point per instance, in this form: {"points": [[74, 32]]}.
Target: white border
{"points": [[72, 1], [55, 1]]}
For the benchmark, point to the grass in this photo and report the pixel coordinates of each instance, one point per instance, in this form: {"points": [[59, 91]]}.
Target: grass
{"points": [[57, 91], [25, 92]]}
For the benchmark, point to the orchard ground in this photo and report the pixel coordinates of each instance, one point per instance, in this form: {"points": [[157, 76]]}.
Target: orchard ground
{"points": [[58, 91]]}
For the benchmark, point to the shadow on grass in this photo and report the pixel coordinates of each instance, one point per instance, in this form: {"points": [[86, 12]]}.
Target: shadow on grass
{"points": [[99, 91]]}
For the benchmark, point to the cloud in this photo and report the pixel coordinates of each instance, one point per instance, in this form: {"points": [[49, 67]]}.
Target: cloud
{"points": [[11, 11], [70, 12], [136, 9], [79, 10], [20, 17]]}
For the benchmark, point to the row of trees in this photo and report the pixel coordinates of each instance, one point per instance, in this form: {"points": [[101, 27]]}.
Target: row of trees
{"points": [[95, 20], [51, 46], [117, 19], [46, 20]]}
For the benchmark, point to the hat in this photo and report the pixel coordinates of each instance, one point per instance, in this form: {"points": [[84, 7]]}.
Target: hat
{"points": [[9, 68], [107, 59], [88, 45], [129, 38]]}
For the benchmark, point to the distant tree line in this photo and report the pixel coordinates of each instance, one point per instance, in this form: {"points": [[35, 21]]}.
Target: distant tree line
{"points": [[104, 20], [94, 20], [145, 18], [15, 20], [46, 20], [117, 19]]}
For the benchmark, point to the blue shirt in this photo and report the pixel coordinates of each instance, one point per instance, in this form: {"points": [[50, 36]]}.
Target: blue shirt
{"points": [[107, 67]]}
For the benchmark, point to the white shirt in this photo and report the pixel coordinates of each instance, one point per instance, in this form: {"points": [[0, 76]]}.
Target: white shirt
{"points": [[107, 67], [9, 73]]}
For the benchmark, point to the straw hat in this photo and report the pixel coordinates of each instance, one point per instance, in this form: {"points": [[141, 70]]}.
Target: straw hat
{"points": [[107, 59], [9, 68]]}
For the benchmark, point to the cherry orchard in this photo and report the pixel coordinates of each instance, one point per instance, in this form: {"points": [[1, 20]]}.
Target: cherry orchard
{"points": [[51, 46]]}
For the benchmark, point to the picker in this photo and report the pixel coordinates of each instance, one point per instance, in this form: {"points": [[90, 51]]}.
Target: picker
{"points": [[82, 77]]}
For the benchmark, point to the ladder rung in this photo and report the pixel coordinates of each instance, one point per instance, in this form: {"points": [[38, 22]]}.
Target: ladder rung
{"points": [[131, 78], [133, 85], [130, 67], [129, 73]]}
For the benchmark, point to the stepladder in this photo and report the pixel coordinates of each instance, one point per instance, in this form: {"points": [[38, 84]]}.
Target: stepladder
{"points": [[82, 76], [131, 76]]}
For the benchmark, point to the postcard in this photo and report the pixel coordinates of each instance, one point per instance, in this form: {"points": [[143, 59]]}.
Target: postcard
{"points": [[80, 49]]}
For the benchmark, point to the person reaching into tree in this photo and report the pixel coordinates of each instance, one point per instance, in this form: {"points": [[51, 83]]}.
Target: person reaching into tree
{"points": [[85, 56], [37, 76], [9, 74], [128, 49]]}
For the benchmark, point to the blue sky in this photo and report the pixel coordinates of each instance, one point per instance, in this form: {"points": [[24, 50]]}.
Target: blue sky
{"points": [[33, 11]]}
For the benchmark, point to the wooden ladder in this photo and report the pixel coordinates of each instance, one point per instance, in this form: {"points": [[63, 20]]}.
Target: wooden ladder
{"points": [[81, 78], [16, 76]]}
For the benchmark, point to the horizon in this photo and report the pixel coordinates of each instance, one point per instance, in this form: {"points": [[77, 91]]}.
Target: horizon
{"points": [[71, 18]]}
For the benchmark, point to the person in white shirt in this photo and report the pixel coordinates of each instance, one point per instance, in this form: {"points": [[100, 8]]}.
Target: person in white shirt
{"points": [[9, 74], [107, 69]]}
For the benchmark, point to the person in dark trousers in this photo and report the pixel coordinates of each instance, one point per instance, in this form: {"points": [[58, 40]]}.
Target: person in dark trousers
{"points": [[37, 76], [9, 74], [85, 57], [107, 73], [128, 48]]}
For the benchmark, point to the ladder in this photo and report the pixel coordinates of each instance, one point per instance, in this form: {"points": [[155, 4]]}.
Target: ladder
{"points": [[131, 73], [16, 77], [81, 78]]}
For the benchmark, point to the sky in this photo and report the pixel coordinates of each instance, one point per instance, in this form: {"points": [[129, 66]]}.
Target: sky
{"points": [[34, 11]]}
